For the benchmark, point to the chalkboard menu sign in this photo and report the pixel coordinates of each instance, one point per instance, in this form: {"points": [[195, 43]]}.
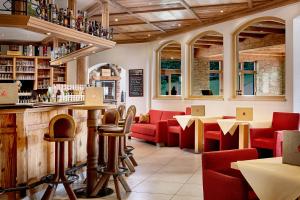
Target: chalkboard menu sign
{"points": [[136, 83]]}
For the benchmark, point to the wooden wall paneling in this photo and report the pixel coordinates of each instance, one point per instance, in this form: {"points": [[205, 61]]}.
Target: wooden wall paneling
{"points": [[80, 143], [8, 153]]}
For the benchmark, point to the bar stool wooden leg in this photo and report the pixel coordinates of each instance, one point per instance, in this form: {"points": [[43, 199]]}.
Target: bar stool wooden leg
{"points": [[117, 187], [62, 176], [50, 191]]}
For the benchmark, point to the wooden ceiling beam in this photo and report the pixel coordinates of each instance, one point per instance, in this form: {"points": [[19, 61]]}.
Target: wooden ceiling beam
{"points": [[253, 35], [209, 42], [231, 16], [204, 7], [266, 30], [189, 9], [128, 10], [250, 3]]}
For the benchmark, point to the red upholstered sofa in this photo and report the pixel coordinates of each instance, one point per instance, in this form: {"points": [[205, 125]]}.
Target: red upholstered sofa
{"points": [[157, 130], [220, 181], [271, 138]]}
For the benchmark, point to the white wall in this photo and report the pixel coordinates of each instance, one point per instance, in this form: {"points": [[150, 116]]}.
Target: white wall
{"points": [[143, 56], [296, 72], [131, 56]]}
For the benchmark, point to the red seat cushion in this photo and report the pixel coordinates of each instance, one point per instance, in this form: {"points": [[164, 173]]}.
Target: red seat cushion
{"points": [[263, 143], [215, 135], [145, 129], [155, 116], [174, 129]]}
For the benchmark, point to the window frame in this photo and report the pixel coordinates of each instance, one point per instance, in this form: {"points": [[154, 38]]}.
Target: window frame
{"points": [[235, 64], [158, 94], [190, 63], [242, 72]]}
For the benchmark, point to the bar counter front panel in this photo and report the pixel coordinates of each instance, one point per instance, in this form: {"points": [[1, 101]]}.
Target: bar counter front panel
{"points": [[24, 155]]}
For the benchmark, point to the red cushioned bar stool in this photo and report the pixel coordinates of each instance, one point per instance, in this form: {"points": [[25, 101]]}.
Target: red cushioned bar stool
{"points": [[61, 130]]}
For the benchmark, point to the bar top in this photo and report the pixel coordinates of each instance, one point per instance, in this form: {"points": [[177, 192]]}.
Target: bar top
{"points": [[33, 107]]}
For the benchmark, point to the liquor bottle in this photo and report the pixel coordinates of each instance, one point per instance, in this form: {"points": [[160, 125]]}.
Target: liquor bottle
{"points": [[79, 21], [61, 16], [111, 32], [85, 20], [55, 14], [72, 19], [50, 11], [43, 14], [66, 19], [90, 27]]}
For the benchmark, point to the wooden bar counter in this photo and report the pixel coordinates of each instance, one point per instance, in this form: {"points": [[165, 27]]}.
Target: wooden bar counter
{"points": [[24, 155]]}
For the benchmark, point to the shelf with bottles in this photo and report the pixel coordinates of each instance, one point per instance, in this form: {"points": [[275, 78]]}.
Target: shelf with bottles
{"points": [[43, 84], [85, 51], [28, 50], [50, 12], [60, 74], [6, 69], [67, 93], [98, 37]]}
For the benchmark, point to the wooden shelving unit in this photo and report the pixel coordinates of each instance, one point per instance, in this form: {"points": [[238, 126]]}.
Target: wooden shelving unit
{"points": [[34, 72], [74, 55], [60, 75], [96, 44]]}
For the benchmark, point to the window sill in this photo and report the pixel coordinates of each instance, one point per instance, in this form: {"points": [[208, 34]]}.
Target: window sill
{"points": [[167, 98], [257, 98], [216, 98]]}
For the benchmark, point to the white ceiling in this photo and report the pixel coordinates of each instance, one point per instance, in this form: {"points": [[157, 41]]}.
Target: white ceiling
{"points": [[17, 34]]}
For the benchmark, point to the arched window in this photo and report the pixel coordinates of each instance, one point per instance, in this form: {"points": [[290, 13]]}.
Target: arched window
{"points": [[206, 66], [259, 60], [169, 70]]}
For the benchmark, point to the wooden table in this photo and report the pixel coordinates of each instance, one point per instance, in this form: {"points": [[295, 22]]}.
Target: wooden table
{"points": [[229, 126], [93, 121], [187, 120], [270, 178]]}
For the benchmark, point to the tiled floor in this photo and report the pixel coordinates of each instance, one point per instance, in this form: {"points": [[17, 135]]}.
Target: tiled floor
{"points": [[163, 174]]}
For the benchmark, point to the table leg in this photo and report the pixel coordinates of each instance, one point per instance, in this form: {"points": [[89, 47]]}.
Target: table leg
{"points": [[92, 150], [199, 136], [243, 136]]}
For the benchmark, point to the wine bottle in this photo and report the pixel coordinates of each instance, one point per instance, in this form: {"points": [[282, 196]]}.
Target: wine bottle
{"points": [[66, 18], [72, 19], [54, 14], [85, 20], [50, 11], [61, 16]]}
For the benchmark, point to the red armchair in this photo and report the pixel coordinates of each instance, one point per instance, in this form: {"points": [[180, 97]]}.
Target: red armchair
{"points": [[220, 181], [156, 130], [271, 138], [179, 137], [215, 140]]}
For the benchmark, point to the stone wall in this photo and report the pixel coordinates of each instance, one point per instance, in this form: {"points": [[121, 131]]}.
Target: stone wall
{"points": [[270, 74], [200, 76]]}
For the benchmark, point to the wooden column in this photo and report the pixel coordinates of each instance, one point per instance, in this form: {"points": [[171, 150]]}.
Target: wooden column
{"points": [[72, 4], [82, 70], [105, 14]]}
